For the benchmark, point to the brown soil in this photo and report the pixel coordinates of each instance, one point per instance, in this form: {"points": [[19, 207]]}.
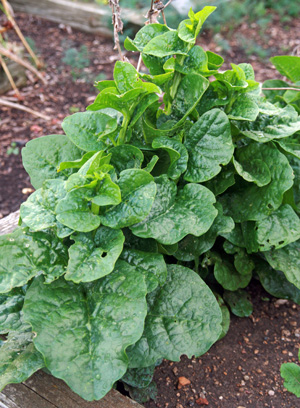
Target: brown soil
{"points": [[242, 370]]}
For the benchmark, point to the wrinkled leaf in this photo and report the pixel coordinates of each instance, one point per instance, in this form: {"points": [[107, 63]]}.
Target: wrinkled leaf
{"points": [[239, 302]]}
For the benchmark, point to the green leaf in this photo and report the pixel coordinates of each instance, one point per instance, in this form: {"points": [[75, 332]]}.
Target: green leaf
{"points": [[25, 255], [274, 96], [11, 305], [239, 302], [151, 265], [88, 327], [42, 156], [126, 157], [225, 317], [18, 357], [290, 372], [209, 144], [166, 44], [191, 247], [292, 148], [288, 66], [75, 164], [266, 128], [275, 282], [220, 183], [139, 377], [195, 62], [172, 216], [295, 164], [234, 80], [74, 211], [189, 93], [188, 323], [215, 61], [177, 153], [85, 129], [188, 30], [279, 229], [108, 193], [287, 260], [144, 36], [251, 168], [142, 395], [126, 76], [244, 108], [253, 202], [38, 212], [215, 95], [138, 192], [143, 105], [228, 277], [91, 258]]}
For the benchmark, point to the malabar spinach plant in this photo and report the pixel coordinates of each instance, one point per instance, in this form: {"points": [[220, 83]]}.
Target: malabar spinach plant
{"points": [[150, 216]]}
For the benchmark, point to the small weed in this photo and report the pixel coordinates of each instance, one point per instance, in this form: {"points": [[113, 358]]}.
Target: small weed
{"points": [[13, 149], [78, 59], [74, 109]]}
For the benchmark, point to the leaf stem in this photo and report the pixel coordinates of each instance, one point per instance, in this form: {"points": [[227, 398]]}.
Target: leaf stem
{"points": [[281, 89]]}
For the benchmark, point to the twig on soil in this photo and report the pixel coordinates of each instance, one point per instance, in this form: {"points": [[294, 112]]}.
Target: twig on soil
{"points": [[27, 65], [281, 89], [118, 25], [5, 102], [10, 78], [10, 17]]}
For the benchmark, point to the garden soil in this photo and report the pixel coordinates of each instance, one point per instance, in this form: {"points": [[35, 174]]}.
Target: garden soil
{"points": [[242, 370]]}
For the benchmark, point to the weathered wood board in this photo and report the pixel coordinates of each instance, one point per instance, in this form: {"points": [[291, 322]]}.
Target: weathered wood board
{"points": [[44, 391], [87, 17]]}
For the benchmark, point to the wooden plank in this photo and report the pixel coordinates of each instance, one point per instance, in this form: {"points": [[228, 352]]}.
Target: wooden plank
{"points": [[45, 391], [9, 223], [87, 17]]}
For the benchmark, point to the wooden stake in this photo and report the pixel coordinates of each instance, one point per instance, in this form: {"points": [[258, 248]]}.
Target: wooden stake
{"points": [[10, 78], [19, 33], [9, 104]]}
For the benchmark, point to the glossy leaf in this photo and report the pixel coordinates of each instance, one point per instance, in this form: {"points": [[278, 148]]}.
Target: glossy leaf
{"points": [[288, 66], [266, 128], [228, 277], [275, 282], [91, 258], [11, 305], [177, 153], [253, 202], [83, 332], [138, 192], [172, 216], [239, 302], [188, 323], [144, 36], [107, 193], [244, 108], [290, 372], [209, 144], [139, 377], [25, 255], [126, 157], [151, 265], [18, 357], [188, 30], [220, 183], [287, 260], [191, 247], [85, 129], [42, 156], [74, 212], [166, 44]]}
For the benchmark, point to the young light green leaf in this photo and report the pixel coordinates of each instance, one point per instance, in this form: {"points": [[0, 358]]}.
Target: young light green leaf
{"points": [[138, 192], [25, 255], [75, 164], [253, 202], [151, 265], [172, 216], [18, 357], [91, 258], [239, 302], [215, 61], [195, 62], [287, 260], [188, 30], [85, 129], [42, 156], [88, 327], [244, 108], [288, 66], [188, 323], [144, 36], [209, 144]]}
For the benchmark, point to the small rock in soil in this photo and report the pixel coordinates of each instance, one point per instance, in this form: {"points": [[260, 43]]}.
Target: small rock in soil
{"points": [[182, 382]]}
